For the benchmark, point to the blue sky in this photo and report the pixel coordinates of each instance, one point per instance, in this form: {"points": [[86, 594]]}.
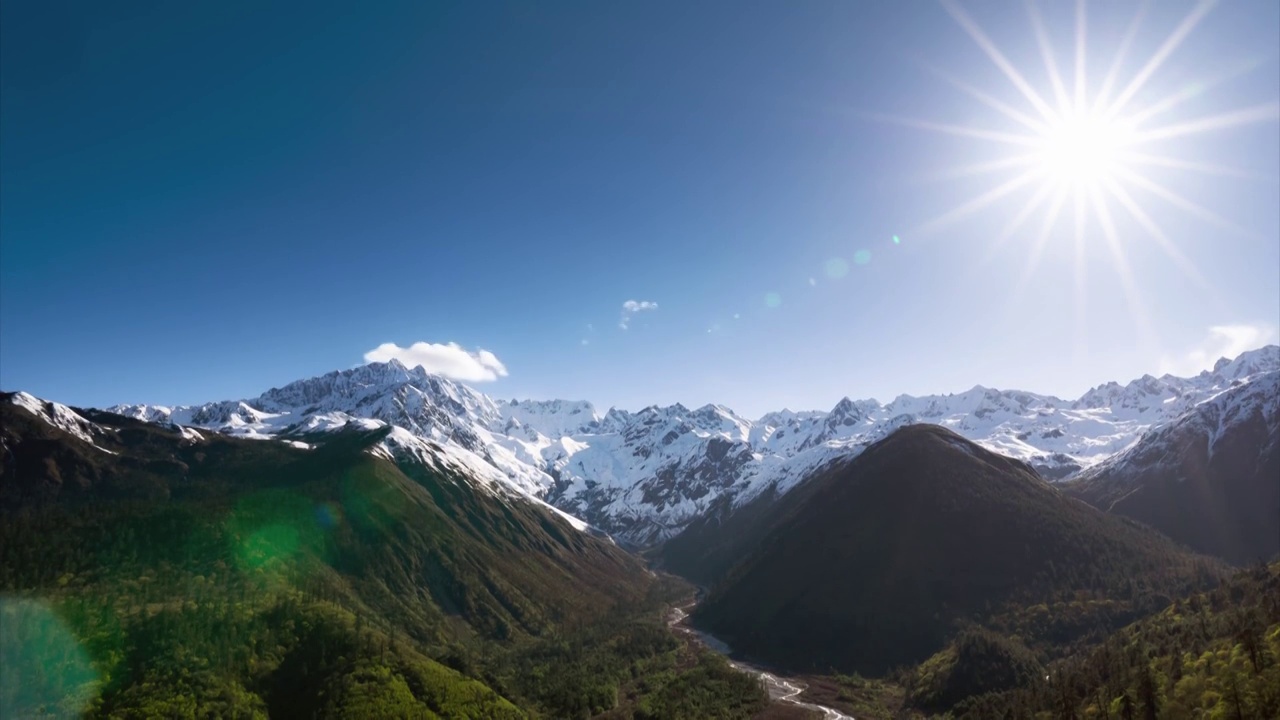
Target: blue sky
{"points": [[204, 200]]}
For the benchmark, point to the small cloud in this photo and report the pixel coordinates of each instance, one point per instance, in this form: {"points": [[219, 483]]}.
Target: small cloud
{"points": [[586, 341], [736, 316], [450, 360], [813, 281], [591, 328], [1222, 341], [631, 307]]}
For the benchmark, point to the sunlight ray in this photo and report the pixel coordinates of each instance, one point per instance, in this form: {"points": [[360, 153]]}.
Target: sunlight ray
{"points": [[977, 203], [1137, 309], [1011, 227], [1013, 161], [1205, 168], [1170, 44], [1188, 92], [947, 129], [1123, 50], [1245, 116], [988, 100], [1167, 245], [1180, 202], [1081, 314], [988, 47], [1082, 28], [1038, 246], [1046, 52]]}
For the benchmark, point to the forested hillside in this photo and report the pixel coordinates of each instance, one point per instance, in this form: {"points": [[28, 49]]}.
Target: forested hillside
{"points": [[1213, 655], [149, 573]]}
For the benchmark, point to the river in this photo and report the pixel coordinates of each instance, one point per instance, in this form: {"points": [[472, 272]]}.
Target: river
{"points": [[780, 689]]}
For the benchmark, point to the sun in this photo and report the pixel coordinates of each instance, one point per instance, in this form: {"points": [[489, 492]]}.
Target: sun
{"points": [[1083, 149], [1094, 153]]}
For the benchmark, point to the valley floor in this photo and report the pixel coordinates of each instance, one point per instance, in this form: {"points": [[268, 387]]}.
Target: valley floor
{"points": [[787, 697]]}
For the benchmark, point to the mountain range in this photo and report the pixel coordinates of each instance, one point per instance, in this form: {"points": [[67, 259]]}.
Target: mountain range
{"points": [[977, 537], [644, 476]]}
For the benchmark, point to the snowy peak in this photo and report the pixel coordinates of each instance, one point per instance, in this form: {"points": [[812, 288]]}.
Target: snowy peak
{"points": [[60, 416], [1255, 399], [552, 418], [1253, 362], [1162, 398], [644, 475]]}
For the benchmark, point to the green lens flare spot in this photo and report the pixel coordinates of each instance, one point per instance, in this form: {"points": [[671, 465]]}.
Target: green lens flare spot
{"points": [[862, 257], [896, 241], [269, 546], [47, 672], [772, 299]]}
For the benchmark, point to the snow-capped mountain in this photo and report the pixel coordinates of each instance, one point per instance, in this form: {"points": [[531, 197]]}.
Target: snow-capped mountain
{"points": [[1209, 478], [645, 475]]}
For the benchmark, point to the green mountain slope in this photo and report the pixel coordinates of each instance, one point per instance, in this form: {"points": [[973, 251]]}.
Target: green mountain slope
{"points": [[146, 573]]}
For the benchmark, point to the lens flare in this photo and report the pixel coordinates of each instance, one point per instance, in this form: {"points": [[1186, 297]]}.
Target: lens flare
{"points": [[269, 546], [329, 515], [46, 671]]}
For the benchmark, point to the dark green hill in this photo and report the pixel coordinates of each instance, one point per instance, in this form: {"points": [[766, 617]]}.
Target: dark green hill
{"points": [[887, 555], [975, 663]]}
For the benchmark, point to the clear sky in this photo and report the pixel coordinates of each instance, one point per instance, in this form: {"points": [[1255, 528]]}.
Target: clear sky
{"points": [[203, 200]]}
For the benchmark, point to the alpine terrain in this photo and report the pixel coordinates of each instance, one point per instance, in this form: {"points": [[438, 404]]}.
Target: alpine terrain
{"points": [[644, 476]]}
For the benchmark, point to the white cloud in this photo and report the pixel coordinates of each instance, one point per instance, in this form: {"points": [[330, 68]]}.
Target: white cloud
{"points": [[450, 360], [631, 307], [586, 341], [1222, 341], [813, 281]]}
